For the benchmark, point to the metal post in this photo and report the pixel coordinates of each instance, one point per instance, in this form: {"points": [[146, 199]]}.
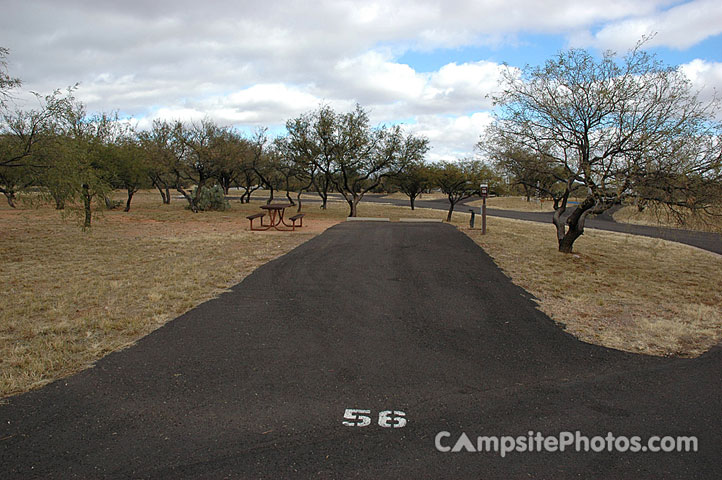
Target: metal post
{"points": [[483, 216]]}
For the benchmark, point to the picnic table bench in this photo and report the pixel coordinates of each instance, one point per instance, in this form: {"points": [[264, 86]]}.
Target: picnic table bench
{"points": [[254, 216], [298, 216]]}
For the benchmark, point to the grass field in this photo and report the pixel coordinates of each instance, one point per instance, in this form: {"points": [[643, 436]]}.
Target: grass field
{"points": [[632, 293], [71, 297], [423, 196], [661, 217]]}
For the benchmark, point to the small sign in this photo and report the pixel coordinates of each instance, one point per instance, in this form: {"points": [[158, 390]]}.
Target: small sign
{"points": [[484, 189]]}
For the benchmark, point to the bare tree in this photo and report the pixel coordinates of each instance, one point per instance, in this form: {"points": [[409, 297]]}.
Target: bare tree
{"points": [[265, 161], [605, 129], [248, 181], [7, 82]]}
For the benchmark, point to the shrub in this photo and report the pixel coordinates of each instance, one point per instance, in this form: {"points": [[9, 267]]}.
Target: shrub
{"points": [[212, 198]]}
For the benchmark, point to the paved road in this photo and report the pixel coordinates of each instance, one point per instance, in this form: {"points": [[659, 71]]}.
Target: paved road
{"points": [[704, 240], [406, 317]]}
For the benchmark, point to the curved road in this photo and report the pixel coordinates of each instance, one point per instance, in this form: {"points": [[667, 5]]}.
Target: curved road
{"points": [[408, 322], [704, 240]]}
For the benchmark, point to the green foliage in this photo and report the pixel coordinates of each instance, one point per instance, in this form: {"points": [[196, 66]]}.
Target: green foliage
{"points": [[211, 199], [345, 149], [461, 179], [416, 178]]}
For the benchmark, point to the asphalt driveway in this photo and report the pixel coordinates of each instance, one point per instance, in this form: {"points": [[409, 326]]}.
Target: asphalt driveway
{"points": [[410, 326]]}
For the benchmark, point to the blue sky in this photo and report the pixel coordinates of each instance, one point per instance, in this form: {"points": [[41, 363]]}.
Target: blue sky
{"points": [[428, 64], [530, 49], [536, 49]]}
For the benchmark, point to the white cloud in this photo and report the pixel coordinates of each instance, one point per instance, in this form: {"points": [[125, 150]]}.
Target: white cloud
{"points": [[706, 77], [466, 85], [260, 62], [451, 137], [376, 80], [373, 78], [679, 27]]}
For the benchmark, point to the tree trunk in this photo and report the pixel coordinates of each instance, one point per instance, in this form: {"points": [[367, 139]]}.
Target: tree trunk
{"points": [[451, 210], [575, 224], [290, 200], [324, 201], [299, 201], [191, 201], [412, 200], [567, 241], [270, 199], [131, 192], [10, 197], [86, 204], [246, 197], [353, 206], [163, 195]]}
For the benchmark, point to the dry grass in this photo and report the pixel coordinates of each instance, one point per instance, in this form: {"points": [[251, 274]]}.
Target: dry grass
{"points": [[516, 203], [662, 218], [626, 292], [423, 196], [71, 297]]}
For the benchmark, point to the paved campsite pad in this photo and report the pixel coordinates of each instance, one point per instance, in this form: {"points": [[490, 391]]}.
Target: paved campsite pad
{"points": [[407, 317]]}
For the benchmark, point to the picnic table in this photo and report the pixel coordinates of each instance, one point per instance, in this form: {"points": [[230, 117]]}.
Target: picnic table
{"points": [[275, 216]]}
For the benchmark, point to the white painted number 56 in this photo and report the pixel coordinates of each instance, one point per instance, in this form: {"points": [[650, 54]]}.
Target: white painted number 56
{"points": [[361, 418], [356, 418]]}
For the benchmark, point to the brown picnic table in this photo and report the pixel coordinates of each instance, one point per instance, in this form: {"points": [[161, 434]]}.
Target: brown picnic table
{"points": [[275, 216]]}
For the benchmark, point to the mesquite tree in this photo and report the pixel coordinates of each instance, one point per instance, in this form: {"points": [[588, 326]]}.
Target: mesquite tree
{"points": [[460, 180], [606, 129], [266, 159], [413, 181], [350, 154], [27, 139], [313, 143], [82, 153], [159, 155], [196, 158]]}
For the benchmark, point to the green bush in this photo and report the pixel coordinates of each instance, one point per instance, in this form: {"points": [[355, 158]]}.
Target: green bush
{"points": [[212, 198]]}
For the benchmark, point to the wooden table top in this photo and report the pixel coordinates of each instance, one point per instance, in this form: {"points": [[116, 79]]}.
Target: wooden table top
{"points": [[276, 206]]}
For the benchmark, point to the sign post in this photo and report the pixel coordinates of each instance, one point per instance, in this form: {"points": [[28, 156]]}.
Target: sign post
{"points": [[484, 191]]}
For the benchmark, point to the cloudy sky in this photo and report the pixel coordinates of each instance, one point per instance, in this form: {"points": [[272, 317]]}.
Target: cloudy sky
{"points": [[427, 64]]}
